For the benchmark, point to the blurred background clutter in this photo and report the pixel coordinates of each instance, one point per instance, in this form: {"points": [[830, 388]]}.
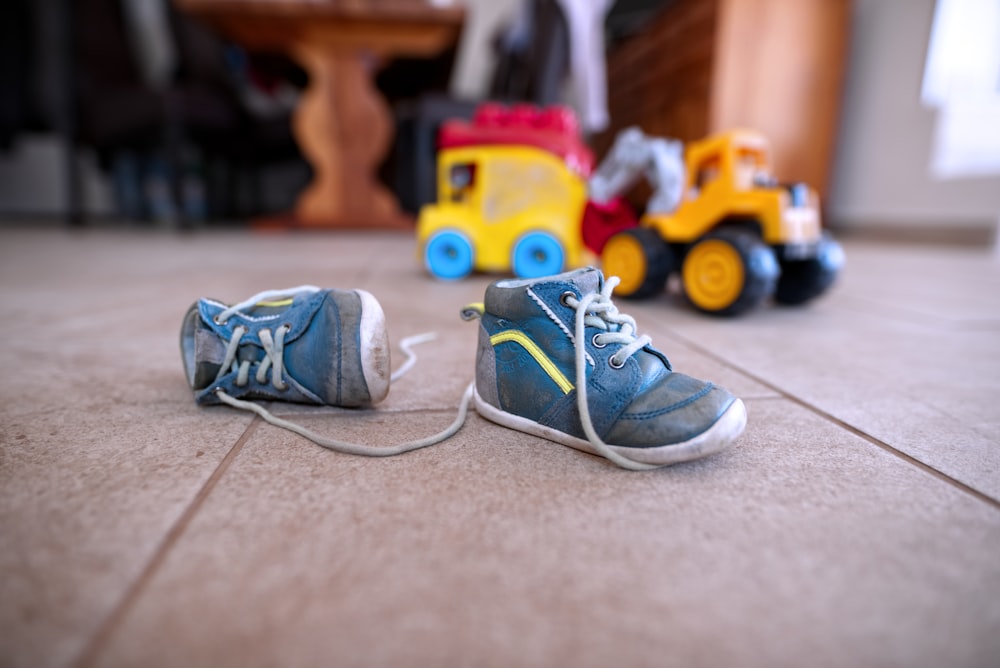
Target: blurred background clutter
{"points": [[174, 112]]}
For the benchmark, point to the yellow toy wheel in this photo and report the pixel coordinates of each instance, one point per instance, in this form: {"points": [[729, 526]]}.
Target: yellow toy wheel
{"points": [[713, 275], [641, 259], [729, 272]]}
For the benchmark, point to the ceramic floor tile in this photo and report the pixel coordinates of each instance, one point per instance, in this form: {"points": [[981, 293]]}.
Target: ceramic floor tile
{"points": [[87, 497], [951, 288], [143, 267], [928, 390], [657, 317], [804, 545], [101, 450]]}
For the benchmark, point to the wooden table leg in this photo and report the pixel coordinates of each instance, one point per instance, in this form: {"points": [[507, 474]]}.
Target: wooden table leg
{"points": [[344, 129]]}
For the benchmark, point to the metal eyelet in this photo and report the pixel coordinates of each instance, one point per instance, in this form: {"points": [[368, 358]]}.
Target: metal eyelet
{"points": [[615, 365], [564, 297], [596, 343], [218, 322]]}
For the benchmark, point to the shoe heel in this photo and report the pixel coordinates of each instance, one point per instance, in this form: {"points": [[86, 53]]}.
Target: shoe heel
{"points": [[375, 360]]}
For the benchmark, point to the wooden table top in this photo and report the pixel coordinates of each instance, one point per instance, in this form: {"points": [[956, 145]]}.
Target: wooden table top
{"points": [[412, 27]]}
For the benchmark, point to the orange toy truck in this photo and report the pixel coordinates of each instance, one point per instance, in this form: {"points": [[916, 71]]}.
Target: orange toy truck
{"points": [[733, 234]]}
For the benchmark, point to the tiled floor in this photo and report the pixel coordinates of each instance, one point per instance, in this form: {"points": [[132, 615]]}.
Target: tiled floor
{"points": [[856, 523]]}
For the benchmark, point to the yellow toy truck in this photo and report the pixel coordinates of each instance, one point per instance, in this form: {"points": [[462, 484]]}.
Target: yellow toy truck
{"points": [[733, 234], [511, 194]]}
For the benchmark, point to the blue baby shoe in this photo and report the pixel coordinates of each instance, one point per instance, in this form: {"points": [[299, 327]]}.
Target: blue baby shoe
{"points": [[556, 359], [305, 344]]}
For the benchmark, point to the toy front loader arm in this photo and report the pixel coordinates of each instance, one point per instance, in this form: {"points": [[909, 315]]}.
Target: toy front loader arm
{"points": [[633, 155]]}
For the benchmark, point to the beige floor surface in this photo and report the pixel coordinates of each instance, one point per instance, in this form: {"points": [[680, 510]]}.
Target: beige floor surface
{"points": [[856, 522]]}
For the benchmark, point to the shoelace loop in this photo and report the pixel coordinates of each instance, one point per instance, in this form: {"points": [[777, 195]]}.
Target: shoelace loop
{"points": [[597, 310], [273, 343], [274, 357]]}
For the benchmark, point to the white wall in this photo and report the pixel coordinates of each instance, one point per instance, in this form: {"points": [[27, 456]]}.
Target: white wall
{"points": [[881, 175]]}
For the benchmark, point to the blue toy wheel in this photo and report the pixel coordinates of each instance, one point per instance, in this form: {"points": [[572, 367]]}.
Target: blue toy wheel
{"points": [[448, 255], [537, 254]]}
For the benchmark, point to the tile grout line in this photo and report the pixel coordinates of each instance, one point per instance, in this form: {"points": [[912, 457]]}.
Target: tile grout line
{"points": [[897, 314], [118, 613], [362, 412], [899, 454]]}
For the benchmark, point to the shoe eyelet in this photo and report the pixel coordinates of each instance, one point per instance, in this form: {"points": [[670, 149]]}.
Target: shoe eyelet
{"points": [[614, 364], [218, 322], [596, 343], [565, 297]]}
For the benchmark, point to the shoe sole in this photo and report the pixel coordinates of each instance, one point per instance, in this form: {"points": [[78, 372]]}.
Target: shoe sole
{"points": [[375, 362], [716, 438]]}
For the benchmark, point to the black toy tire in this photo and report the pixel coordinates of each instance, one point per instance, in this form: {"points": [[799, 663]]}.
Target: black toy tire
{"points": [[804, 280]]}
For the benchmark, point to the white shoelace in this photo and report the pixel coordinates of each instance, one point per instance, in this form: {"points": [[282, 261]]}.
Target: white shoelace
{"points": [[274, 357], [597, 310], [592, 310], [262, 297], [274, 344], [348, 447], [273, 360]]}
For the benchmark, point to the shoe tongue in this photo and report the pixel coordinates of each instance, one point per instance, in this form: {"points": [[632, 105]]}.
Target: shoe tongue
{"points": [[586, 280], [506, 297]]}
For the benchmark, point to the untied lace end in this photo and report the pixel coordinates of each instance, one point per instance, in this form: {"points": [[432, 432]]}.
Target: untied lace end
{"points": [[347, 447]]}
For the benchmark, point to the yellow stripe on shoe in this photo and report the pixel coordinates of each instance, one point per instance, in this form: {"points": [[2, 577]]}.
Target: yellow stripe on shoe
{"points": [[520, 338]]}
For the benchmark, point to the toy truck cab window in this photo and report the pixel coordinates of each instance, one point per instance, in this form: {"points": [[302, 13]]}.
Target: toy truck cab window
{"points": [[764, 180], [706, 174], [461, 180], [750, 170]]}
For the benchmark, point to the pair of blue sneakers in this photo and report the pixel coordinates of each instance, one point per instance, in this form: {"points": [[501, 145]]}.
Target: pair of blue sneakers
{"points": [[555, 359]]}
